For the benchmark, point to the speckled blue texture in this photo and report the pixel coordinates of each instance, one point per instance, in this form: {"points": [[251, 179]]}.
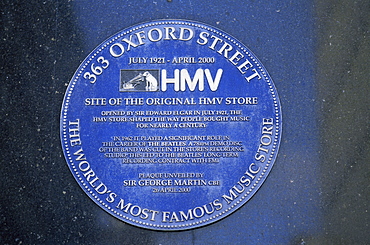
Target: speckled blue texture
{"points": [[315, 51], [238, 154]]}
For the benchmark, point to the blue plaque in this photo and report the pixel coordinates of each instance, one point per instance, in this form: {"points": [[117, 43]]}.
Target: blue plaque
{"points": [[171, 125]]}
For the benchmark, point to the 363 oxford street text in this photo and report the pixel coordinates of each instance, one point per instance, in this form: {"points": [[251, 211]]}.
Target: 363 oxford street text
{"points": [[221, 47], [170, 125]]}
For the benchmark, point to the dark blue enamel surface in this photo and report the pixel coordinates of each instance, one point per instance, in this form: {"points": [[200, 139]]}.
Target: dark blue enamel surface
{"points": [[317, 55], [258, 137]]}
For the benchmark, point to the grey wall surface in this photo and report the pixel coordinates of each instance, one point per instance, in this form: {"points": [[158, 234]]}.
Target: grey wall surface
{"points": [[317, 53]]}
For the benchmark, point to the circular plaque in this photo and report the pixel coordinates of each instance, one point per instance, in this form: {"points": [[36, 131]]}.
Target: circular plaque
{"points": [[170, 125]]}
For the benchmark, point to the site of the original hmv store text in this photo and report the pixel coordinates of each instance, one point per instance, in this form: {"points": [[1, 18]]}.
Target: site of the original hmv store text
{"points": [[171, 125]]}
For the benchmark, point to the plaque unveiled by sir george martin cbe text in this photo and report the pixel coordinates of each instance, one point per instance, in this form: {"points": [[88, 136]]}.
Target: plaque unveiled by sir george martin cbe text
{"points": [[170, 125]]}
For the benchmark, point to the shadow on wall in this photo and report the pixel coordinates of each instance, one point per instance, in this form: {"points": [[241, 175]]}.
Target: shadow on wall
{"points": [[343, 86]]}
